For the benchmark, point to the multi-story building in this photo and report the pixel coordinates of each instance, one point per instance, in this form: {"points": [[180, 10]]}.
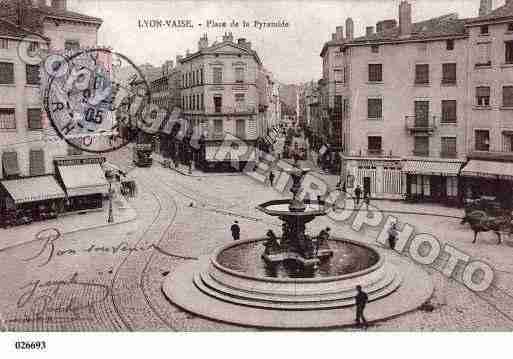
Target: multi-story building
{"points": [[402, 100], [219, 94], [313, 118], [28, 159], [490, 103]]}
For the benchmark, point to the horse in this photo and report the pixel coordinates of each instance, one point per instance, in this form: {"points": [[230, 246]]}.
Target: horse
{"points": [[481, 222]]}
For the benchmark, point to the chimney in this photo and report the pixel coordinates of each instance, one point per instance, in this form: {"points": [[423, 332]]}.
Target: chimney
{"points": [[369, 30], [203, 42], [228, 36], [485, 7], [405, 23], [339, 33], [59, 4], [349, 29]]}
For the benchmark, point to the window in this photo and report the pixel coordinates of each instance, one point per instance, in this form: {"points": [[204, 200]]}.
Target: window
{"points": [[71, 45], [449, 73], [507, 96], [339, 76], [218, 104], [484, 54], [449, 45], [507, 141], [32, 72], [193, 101], [482, 138], [201, 76], [374, 108], [36, 162], [448, 147], [218, 126], [33, 47], [218, 75], [483, 96], [34, 119], [449, 111], [193, 78], [375, 73], [510, 26], [240, 129], [421, 146], [509, 52], [239, 99], [6, 73], [374, 145], [4, 44], [7, 119], [338, 104], [422, 74], [375, 49], [239, 75], [202, 101], [483, 30], [10, 166], [452, 186]]}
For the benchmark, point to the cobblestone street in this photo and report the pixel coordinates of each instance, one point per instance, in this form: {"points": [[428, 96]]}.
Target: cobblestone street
{"points": [[110, 278]]}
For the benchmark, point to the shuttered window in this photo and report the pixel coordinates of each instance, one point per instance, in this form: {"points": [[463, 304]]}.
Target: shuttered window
{"points": [[37, 162], [421, 146], [482, 138], [374, 108], [32, 72], [10, 164], [483, 96], [34, 119], [507, 96], [449, 108], [449, 73], [375, 73], [6, 73], [422, 74], [7, 119], [448, 147]]}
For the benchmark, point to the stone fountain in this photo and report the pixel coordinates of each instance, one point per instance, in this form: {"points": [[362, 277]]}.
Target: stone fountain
{"points": [[296, 280]]}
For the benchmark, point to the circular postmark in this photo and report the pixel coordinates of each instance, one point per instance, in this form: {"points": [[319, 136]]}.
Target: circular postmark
{"points": [[94, 98]]}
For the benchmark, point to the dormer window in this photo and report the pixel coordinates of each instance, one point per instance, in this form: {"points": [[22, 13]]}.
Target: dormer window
{"points": [[483, 30], [450, 45]]}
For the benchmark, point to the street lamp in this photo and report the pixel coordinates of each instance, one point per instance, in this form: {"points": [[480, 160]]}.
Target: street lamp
{"points": [[111, 216]]}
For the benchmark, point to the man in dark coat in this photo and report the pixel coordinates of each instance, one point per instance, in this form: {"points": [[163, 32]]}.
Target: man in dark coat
{"points": [[235, 230], [361, 301], [358, 193], [271, 178]]}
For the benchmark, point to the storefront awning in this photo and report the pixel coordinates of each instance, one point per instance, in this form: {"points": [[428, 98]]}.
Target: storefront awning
{"points": [[84, 179], [488, 169], [424, 167], [34, 189]]}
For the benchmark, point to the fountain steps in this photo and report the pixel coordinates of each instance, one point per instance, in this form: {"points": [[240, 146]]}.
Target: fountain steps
{"points": [[207, 284]]}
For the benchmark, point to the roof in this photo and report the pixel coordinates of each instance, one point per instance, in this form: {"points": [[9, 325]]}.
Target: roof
{"points": [[502, 12], [83, 179], [426, 167], [442, 26], [215, 46], [33, 189], [8, 29], [488, 169], [48, 11]]}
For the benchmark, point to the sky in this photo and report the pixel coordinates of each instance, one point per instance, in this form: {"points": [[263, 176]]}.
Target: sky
{"points": [[291, 53]]}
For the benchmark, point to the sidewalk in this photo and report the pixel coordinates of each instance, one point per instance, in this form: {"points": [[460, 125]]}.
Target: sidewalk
{"points": [[184, 170], [122, 213]]}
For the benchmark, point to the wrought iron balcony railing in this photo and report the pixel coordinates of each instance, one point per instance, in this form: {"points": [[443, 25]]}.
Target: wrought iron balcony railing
{"points": [[424, 124]]}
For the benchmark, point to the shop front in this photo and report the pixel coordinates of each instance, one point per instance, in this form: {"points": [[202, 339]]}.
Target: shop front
{"points": [[25, 200], [84, 182], [432, 181], [492, 179]]}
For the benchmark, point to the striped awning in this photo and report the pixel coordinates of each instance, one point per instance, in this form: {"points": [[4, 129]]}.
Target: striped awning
{"points": [[488, 169], [425, 167], [84, 179], [34, 189]]}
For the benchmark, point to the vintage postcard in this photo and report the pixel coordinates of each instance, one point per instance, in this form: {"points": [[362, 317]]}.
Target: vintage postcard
{"points": [[242, 166]]}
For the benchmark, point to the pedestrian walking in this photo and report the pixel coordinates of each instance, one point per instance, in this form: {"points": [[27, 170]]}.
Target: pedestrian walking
{"points": [[324, 235], [235, 231], [392, 235], [319, 202], [366, 200], [357, 193], [271, 178], [361, 301]]}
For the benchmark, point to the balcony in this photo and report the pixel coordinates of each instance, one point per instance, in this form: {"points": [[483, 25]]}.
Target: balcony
{"points": [[375, 152], [7, 125], [421, 153], [448, 154], [423, 124]]}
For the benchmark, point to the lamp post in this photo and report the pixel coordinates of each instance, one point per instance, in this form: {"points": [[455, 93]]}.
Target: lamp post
{"points": [[111, 216]]}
